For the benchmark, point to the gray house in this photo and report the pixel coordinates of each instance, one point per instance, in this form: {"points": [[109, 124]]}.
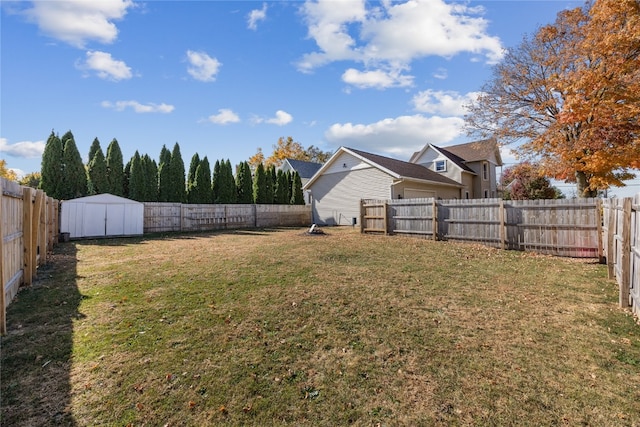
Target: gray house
{"points": [[351, 175]]}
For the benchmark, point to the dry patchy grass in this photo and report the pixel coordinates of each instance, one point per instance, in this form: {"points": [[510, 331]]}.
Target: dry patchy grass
{"points": [[279, 328]]}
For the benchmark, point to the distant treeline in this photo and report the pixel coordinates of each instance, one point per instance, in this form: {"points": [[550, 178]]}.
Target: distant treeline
{"points": [[64, 176]]}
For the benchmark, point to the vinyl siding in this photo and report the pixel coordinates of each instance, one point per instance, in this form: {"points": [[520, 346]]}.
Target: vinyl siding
{"points": [[337, 193], [429, 158], [410, 190]]}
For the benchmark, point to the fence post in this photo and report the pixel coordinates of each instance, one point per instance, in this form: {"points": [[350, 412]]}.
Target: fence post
{"points": [[625, 271], [35, 230], [3, 303], [503, 229], [435, 219], [40, 225], [611, 231], [27, 234], [362, 216], [599, 213], [386, 224]]}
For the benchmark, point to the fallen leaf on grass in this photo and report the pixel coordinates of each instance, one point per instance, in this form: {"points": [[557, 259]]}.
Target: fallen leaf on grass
{"points": [[192, 404], [139, 388], [222, 410], [139, 406]]}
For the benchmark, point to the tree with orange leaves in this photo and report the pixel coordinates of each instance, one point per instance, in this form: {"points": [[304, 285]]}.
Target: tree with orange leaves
{"points": [[7, 173], [287, 148], [571, 92]]}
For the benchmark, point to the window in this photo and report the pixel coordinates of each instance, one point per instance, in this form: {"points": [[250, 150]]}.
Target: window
{"points": [[486, 194], [485, 171], [466, 194], [441, 165]]}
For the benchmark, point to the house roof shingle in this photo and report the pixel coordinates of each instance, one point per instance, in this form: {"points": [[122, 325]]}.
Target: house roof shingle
{"points": [[405, 169], [486, 149], [459, 161], [305, 169]]}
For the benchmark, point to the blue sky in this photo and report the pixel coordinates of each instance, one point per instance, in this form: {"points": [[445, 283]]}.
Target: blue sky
{"points": [[223, 78]]}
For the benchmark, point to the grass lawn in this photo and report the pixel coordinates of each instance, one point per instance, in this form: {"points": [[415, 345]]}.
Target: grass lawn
{"points": [[275, 327]]}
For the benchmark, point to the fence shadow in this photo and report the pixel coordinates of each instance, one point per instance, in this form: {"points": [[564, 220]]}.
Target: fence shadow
{"points": [[36, 352]]}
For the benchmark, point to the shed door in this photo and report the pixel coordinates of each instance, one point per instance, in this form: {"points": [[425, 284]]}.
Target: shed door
{"points": [[115, 220], [94, 220]]}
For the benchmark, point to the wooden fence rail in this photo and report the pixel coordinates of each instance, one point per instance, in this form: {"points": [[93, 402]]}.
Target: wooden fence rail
{"points": [[163, 217], [28, 231], [581, 228]]}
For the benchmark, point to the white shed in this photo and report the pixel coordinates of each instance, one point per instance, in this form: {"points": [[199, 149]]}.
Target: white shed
{"points": [[101, 215]]}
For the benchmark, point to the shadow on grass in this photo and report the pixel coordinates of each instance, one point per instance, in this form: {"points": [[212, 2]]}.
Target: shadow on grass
{"points": [[36, 352]]}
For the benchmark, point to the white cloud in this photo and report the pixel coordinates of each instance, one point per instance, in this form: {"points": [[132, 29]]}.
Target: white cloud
{"points": [[400, 136], [390, 35], [255, 16], [26, 149], [138, 107], [378, 79], [224, 117], [202, 66], [447, 103], [328, 23], [441, 73], [281, 118], [105, 66], [78, 21]]}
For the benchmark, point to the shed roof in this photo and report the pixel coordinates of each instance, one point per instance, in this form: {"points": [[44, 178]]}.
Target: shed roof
{"points": [[104, 198]]}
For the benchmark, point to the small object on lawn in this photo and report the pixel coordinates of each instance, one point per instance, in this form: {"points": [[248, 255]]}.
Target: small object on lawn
{"points": [[315, 230]]}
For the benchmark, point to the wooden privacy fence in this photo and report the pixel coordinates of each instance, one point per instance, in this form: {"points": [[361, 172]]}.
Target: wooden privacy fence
{"points": [[557, 227], [29, 229], [621, 228], [163, 217]]}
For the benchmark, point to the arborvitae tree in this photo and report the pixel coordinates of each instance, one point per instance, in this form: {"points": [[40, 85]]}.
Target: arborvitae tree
{"points": [[177, 188], [297, 196], [97, 173], [95, 146], [74, 183], [125, 179], [216, 182], [51, 167], [164, 179], [260, 185], [244, 185], [115, 169], [228, 188], [191, 176], [270, 183], [204, 176], [150, 170], [201, 188], [282, 185], [136, 178], [289, 177]]}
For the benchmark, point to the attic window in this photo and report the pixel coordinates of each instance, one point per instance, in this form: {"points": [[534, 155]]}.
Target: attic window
{"points": [[441, 165]]}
